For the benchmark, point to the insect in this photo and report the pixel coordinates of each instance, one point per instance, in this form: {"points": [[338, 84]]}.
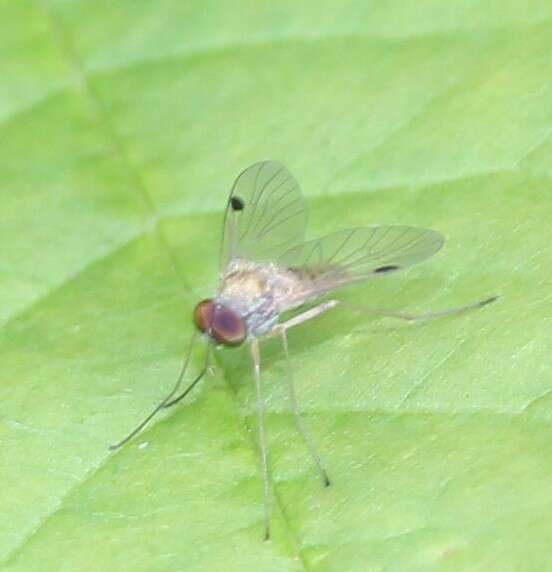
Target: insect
{"points": [[267, 268]]}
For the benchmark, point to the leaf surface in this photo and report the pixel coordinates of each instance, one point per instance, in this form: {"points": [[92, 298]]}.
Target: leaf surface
{"points": [[123, 126]]}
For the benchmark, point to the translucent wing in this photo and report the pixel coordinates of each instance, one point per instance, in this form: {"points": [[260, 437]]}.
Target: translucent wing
{"points": [[265, 216], [358, 254]]}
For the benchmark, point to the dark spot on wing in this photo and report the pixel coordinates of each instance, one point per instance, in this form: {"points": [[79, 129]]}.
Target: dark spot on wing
{"points": [[388, 268], [237, 204]]}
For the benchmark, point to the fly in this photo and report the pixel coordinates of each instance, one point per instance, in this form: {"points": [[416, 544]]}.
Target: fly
{"points": [[267, 268]]}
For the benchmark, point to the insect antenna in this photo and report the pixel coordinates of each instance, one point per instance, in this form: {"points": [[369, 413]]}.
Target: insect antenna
{"points": [[169, 400]]}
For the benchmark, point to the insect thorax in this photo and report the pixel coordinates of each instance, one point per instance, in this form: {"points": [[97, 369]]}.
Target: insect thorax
{"points": [[258, 292]]}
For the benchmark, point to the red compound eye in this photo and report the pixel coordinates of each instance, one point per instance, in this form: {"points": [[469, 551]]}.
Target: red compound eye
{"points": [[203, 315], [222, 323]]}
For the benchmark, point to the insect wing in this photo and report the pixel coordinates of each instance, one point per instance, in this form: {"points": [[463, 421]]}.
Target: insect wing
{"points": [[265, 216], [358, 254]]}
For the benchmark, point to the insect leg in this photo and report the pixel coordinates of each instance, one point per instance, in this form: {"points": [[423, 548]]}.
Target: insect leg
{"points": [[422, 317], [309, 442], [304, 317], [256, 357]]}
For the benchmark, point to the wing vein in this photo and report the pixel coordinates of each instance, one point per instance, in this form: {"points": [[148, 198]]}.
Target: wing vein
{"points": [[256, 200], [267, 201], [342, 245], [280, 222], [264, 230]]}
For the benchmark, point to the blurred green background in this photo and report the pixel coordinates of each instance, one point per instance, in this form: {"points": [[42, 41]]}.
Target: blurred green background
{"points": [[122, 127]]}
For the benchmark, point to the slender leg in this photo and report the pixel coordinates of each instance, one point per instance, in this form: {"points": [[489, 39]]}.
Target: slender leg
{"points": [[309, 442], [330, 304], [256, 356], [421, 317], [281, 330], [303, 317]]}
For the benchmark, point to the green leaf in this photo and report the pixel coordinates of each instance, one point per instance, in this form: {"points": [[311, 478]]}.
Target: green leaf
{"points": [[123, 125]]}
